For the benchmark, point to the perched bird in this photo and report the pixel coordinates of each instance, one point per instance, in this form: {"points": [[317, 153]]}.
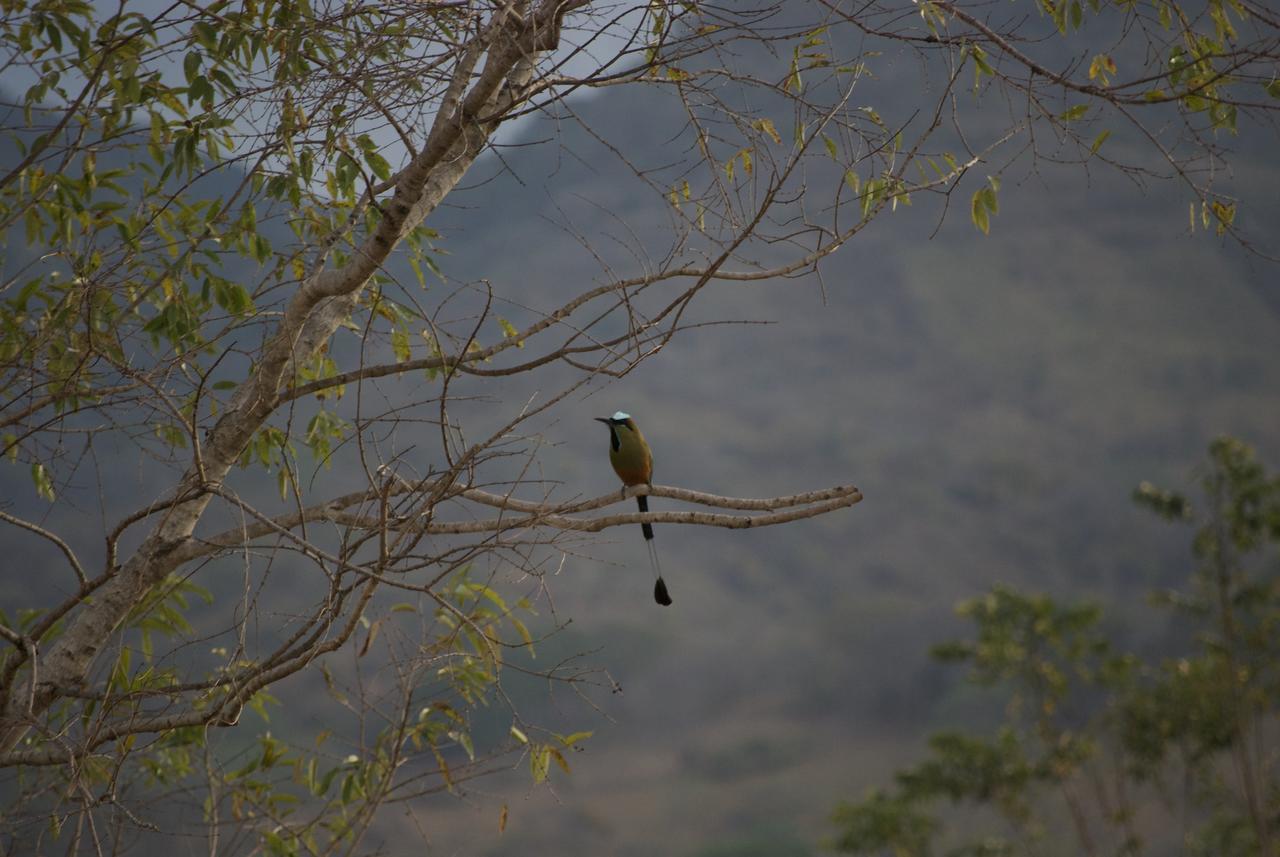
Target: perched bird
{"points": [[633, 462]]}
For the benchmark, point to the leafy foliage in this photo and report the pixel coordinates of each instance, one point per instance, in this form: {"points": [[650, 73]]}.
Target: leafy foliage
{"points": [[207, 205], [1094, 735]]}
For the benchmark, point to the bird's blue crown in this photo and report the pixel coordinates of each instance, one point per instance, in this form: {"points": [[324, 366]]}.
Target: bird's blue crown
{"points": [[622, 415]]}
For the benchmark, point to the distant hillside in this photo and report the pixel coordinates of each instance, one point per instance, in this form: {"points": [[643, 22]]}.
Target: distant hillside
{"points": [[995, 398]]}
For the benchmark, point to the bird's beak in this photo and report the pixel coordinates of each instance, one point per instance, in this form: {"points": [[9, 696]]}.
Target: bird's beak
{"points": [[604, 420]]}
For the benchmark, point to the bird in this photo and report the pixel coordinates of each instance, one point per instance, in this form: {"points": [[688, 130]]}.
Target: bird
{"points": [[633, 462]]}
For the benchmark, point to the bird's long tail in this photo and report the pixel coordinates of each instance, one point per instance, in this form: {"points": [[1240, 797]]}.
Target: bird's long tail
{"points": [[660, 586], [643, 502]]}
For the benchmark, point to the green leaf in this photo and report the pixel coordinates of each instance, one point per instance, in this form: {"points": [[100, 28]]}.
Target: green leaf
{"points": [[1101, 68], [191, 65], [1167, 504], [464, 739], [509, 331], [1224, 214], [1098, 141], [766, 125], [258, 704], [871, 192], [378, 164], [540, 763], [1223, 116], [985, 203], [989, 200], [206, 35], [978, 212], [981, 65], [351, 789], [172, 435], [232, 297], [1071, 114], [400, 344], [326, 781], [44, 483]]}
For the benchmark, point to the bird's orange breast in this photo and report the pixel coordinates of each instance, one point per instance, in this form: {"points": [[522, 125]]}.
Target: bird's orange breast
{"points": [[640, 474]]}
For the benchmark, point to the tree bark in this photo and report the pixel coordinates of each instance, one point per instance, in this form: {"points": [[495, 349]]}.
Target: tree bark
{"points": [[459, 133]]}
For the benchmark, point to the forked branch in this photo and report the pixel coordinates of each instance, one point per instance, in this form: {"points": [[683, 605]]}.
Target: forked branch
{"points": [[528, 514]]}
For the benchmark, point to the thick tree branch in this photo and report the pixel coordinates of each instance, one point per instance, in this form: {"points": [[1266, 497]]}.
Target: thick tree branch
{"points": [[224, 713], [794, 509], [554, 515], [310, 318]]}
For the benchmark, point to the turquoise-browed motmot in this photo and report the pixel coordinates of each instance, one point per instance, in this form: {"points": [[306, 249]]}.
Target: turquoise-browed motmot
{"points": [[633, 462]]}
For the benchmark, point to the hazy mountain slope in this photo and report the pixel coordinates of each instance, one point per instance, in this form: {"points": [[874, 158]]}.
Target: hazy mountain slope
{"points": [[995, 399]]}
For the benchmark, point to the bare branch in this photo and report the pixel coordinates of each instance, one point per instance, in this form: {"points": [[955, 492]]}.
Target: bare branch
{"points": [[810, 506]]}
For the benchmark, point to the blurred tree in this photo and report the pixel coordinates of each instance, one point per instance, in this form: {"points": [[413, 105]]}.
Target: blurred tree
{"points": [[208, 207], [1132, 756]]}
